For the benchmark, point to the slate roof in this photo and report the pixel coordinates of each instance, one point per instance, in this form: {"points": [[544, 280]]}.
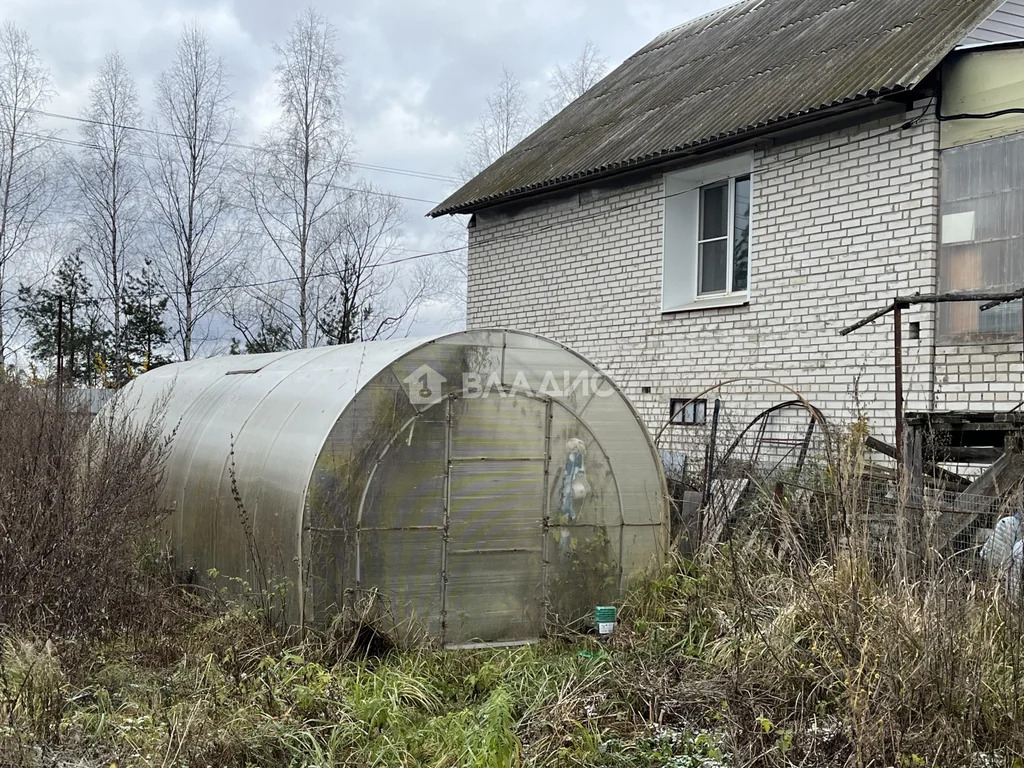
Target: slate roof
{"points": [[720, 77]]}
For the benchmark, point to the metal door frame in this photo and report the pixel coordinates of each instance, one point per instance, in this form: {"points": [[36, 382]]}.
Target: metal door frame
{"points": [[545, 520]]}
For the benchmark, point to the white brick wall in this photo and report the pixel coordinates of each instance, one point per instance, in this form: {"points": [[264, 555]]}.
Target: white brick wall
{"points": [[842, 223]]}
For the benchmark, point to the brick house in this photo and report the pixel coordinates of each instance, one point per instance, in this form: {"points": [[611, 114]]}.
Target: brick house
{"points": [[755, 180]]}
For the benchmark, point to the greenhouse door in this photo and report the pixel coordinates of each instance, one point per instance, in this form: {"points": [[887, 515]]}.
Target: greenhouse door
{"points": [[492, 560]]}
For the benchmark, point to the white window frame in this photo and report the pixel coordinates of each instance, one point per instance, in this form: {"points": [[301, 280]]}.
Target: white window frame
{"points": [[681, 233], [729, 238]]}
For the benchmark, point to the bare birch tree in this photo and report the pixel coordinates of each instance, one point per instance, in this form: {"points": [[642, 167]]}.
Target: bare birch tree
{"points": [[363, 295], [293, 179], [109, 178], [26, 160], [567, 84], [505, 121], [190, 187], [503, 124]]}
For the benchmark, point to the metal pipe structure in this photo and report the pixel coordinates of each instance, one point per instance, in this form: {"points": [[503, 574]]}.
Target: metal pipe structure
{"points": [[897, 343], [993, 299], [996, 297]]}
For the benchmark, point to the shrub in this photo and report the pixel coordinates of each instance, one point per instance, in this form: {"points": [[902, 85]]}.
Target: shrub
{"points": [[78, 505]]}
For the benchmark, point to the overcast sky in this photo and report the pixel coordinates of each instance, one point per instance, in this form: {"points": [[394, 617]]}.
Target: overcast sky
{"points": [[417, 71]]}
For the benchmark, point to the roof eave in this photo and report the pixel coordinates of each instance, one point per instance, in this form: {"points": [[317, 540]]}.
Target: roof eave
{"points": [[691, 150]]}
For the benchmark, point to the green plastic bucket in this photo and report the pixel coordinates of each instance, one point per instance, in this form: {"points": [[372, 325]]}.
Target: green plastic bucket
{"points": [[604, 618]]}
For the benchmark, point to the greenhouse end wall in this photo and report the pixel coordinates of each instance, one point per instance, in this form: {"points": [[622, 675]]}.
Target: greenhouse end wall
{"points": [[470, 488]]}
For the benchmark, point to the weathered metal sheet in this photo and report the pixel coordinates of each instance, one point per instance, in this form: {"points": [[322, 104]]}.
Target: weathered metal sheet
{"points": [[748, 66], [1006, 24]]}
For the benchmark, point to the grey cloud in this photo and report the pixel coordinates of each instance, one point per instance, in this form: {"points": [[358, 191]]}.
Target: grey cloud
{"points": [[418, 70]]}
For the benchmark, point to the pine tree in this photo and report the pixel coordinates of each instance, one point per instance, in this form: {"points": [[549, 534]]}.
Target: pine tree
{"points": [[69, 309], [341, 322], [267, 334], [145, 333]]}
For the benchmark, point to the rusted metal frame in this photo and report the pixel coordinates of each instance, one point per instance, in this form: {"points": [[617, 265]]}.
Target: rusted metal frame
{"points": [[759, 440], [996, 302], [709, 457], [897, 342], [806, 447], [998, 297], [811, 409], [932, 469], [948, 419], [783, 457], [792, 442], [709, 469], [868, 320]]}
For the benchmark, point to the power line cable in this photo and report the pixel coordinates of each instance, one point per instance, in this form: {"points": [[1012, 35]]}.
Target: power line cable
{"points": [[263, 174], [427, 175], [231, 230], [316, 275], [311, 276]]}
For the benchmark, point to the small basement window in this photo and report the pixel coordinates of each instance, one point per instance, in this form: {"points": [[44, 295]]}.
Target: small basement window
{"points": [[688, 412]]}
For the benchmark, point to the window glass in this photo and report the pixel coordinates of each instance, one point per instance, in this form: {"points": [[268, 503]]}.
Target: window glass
{"points": [[714, 211], [741, 234], [685, 411], [982, 237], [712, 266]]}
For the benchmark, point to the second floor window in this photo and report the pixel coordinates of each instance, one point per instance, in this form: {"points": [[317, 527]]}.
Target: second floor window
{"points": [[707, 235], [723, 240]]}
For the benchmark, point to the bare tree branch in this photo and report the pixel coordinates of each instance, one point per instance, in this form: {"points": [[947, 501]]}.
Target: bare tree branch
{"points": [[197, 243], [361, 297], [569, 83], [504, 123], [109, 175], [26, 160], [291, 180]]}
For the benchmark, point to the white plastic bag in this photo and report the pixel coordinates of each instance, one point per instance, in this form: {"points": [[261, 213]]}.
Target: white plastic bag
{"points": [[580, 487]]}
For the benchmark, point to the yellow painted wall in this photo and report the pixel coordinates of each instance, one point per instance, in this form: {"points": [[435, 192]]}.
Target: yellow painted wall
{"points": [[980, 82]]}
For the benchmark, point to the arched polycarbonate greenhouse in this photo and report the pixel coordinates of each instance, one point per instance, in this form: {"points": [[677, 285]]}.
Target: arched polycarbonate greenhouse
{"points": [[481, 483]]}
